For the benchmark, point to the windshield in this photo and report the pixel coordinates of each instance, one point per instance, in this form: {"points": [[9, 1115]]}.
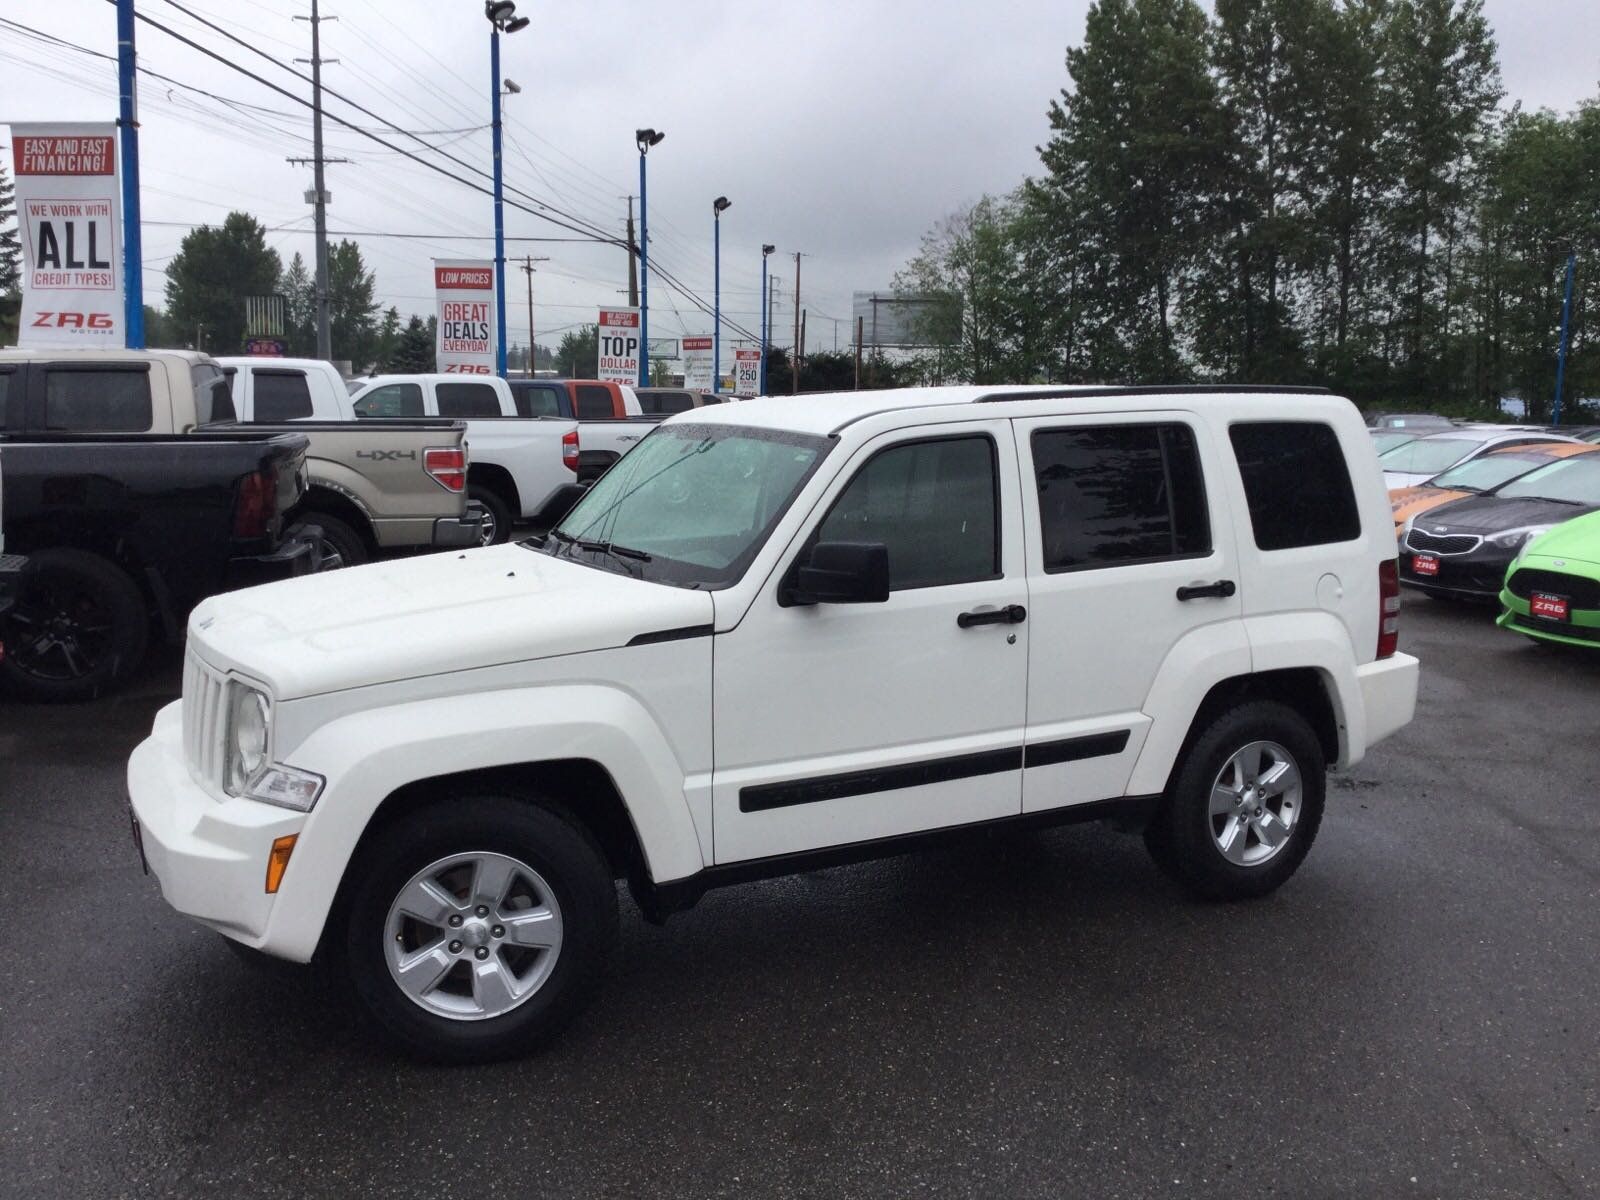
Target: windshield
{"points": [[690, 505], [1430, 455], [1388, 441], [1491, 470], [1574, 480]]}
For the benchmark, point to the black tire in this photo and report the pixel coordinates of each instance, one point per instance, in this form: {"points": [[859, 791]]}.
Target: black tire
{"points": [[1181, 835], [544, 839], [342, 546], [497, 513], [78, 629]]}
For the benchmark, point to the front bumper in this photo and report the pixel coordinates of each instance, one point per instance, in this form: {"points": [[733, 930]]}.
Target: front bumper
{"points": [[1476, 575], [208, 855], [1388, 694], [454, 533]]}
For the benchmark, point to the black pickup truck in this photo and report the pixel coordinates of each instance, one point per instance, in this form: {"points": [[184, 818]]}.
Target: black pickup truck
{"points": [[125, 533]]}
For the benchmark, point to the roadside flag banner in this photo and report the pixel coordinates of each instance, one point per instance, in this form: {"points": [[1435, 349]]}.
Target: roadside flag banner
{"points": [[69, 210], [697, 366], [619, 345], [465, 294], [747, 372]]}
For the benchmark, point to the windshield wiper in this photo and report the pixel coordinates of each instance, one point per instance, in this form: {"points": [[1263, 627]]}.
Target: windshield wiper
{"points": [[621, 553]]}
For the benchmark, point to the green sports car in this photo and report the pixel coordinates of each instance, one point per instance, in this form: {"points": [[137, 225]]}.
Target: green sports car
{"points": [[1552, 589]]}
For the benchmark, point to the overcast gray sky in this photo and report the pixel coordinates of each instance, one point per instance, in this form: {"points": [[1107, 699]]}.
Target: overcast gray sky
{"points": [[840, 130]]}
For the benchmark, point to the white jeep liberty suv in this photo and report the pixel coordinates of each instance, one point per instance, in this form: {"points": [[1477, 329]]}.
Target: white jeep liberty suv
{"points": [[778, 635]]}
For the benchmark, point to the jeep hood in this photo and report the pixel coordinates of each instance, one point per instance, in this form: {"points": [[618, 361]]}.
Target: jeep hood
{"points": [[430, 615]]}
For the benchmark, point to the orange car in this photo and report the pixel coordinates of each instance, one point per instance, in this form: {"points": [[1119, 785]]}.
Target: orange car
{"points": [[1481, 474]]}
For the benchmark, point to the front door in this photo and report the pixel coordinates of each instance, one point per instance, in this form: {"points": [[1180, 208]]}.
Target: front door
{"points": [[841, 723]]}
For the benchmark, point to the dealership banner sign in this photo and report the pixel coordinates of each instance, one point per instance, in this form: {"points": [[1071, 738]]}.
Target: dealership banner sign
{"points": [[697, 367], [465, 290], [69, 212], [747, 372], [619, 345]]}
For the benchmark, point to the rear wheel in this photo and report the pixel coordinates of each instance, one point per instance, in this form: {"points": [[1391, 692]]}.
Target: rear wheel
{"points": [[1245, 804], [497, 518], [479, 928], [79, 627], [341, 546]]}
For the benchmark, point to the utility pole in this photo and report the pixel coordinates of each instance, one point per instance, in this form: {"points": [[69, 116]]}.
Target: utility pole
{"points": [[527, 269], [858, 353], [633, 260], [319, 195], [1561, 353], [794, 362]]}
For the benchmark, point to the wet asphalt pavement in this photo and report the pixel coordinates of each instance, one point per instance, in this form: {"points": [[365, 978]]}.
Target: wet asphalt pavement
{"points": [[1417, 1013]]}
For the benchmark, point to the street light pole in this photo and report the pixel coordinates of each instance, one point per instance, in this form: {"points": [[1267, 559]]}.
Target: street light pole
{"points": [[502, 15], [718, 206], [766, 332], [644, 139]]}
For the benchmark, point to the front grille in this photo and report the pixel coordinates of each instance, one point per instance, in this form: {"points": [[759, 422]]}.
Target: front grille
{"points": [[1584, 593], [1449, 543], [205, 695], [1558, 628]]}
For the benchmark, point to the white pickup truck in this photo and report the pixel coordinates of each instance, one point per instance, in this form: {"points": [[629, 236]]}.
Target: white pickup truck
{"points": [[775, 637], [521, 469]]}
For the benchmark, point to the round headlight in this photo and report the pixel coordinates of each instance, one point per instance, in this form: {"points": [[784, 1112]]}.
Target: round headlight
{"points": [[247, 743]]}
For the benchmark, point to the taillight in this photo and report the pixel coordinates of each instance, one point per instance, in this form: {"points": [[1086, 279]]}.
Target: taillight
{"points": [[1388, 607], [447, 468], [569, 450], [256, 504]]}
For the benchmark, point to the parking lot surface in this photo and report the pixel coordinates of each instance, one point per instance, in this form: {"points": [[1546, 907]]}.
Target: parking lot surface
{"points": [[1414, 1014]]}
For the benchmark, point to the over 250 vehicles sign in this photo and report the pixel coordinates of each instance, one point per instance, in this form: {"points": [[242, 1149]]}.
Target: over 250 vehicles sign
{"points": [[69, 210], [619, 345], [465, 292]]}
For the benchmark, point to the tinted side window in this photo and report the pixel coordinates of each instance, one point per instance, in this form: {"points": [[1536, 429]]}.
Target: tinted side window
{"points": [[391, 400], [1296, 483], [281, 396], [534, 400], [673, 402], [933, 504], [1114, 494], [468, 400], [5, 390], [593, 403], [100, 400]]}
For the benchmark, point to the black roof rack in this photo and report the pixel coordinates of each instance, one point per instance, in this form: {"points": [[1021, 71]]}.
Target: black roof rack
{"points": [[1171, 389]]}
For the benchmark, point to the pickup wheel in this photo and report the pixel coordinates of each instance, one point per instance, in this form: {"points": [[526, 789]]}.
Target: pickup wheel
{"points": [[79, 627], [497, 516], [341, 545], [1243, 809], [479, 927]]}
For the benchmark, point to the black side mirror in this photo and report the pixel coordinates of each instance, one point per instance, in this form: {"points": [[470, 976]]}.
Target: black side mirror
{"points": [[841, 573]]}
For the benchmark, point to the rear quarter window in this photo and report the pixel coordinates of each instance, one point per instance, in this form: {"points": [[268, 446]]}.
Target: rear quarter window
{"points": [[1296, 482], [593, 403], [468, 400], [281, 396]]}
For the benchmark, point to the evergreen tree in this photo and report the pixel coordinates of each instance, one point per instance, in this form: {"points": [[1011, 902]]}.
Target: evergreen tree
{"points": [[10, 245], [299, 308], [352, 308], [578, 356], [413, 352], [215, 268]]}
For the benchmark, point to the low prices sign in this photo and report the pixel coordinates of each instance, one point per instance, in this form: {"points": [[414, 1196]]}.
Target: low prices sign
{"points": [[697, 365], [465, 291], [619, 345], [69, 212], [747, 372]]}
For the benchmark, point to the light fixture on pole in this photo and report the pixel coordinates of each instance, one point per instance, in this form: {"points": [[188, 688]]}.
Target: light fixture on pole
{"points": [[766, 333], [718, 206], [502, 15], [644, 139]]}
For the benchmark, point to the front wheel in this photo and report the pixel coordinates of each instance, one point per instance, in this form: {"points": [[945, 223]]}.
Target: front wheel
{"points": [[1244, 807], [478, 928]]}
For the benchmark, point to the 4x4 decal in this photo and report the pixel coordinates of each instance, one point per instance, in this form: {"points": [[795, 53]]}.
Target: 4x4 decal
{"points": [[386, 455]]}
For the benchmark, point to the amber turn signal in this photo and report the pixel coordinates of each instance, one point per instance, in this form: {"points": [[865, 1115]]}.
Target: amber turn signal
{"points": [[278, 859]]}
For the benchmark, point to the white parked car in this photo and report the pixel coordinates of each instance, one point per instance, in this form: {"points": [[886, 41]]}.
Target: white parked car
{"points": [[778, 636], [1418, 461]]}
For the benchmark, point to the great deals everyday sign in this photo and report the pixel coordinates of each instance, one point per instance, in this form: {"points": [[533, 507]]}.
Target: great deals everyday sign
{"points": [[465, 293], [619, 345], [697, 363], [69, 210]]}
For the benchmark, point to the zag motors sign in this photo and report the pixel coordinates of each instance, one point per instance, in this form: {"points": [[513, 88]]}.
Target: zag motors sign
{"points": [[69, 211]]}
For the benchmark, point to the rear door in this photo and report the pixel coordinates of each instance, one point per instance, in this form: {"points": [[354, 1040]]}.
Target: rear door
{"points": [[1130, 550]]}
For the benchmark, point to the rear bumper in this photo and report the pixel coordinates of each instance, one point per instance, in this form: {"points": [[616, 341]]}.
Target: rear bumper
{"points": [[1388, 694], [209, 856], [295, 555], [11, 566], [450, 533]]}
